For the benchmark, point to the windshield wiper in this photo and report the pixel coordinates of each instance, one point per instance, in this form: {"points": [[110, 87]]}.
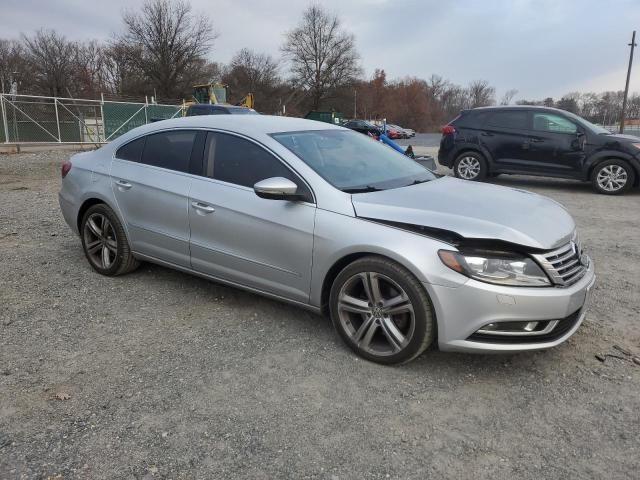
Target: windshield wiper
{"points": [[417, 182], [364, 189]]}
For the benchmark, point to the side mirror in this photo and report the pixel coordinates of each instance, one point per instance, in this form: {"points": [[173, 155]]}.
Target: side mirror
{"points": [[276, 188]]}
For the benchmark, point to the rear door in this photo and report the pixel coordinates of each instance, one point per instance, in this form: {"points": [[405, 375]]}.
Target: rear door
{"points": [[504, 133], [240, 237], [151, 182], [555, 145]]}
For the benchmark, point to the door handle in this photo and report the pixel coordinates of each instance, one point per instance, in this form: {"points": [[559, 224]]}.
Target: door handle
{"points": [[203, 207], [486, 134], [536, 140], [123, 185]]}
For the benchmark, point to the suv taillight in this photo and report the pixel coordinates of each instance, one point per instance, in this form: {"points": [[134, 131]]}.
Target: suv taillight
{"points": [[66, 167], [448, 130]]}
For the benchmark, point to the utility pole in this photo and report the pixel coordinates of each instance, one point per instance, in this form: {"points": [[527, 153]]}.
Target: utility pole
{"points": [[626, 88], [355, 103]]}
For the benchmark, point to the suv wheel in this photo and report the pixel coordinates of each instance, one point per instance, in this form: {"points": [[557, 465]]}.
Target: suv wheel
{"points": [[105, 243], [470, 166], [382, 311], [612, 177]]}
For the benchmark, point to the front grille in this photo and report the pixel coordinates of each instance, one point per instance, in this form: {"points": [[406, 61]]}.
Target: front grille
{"points": [[566, 265], [562, 328]]}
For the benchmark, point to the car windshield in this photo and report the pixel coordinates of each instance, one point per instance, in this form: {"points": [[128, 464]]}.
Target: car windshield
{"points": [[353, 162], [594, 128]]}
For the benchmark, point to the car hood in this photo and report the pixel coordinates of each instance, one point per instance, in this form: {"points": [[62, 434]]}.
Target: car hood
{"points": [[473, 211], [619, 137]]}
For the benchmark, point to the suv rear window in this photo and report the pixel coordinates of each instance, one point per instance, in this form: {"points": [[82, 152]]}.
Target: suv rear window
{"points": [[508, 119]]}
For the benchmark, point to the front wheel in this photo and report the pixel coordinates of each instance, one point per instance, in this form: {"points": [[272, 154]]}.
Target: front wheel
{"points": [[381, 311], [470, 166], [612, 177]]}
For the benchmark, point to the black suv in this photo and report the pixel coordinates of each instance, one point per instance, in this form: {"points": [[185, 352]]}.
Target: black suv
{"points": [[527, 140]]}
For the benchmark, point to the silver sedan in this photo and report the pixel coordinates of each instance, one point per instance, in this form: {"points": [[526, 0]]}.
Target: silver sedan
{"points": [[328, 219]]}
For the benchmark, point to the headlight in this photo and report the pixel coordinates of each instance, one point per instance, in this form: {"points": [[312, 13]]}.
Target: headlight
{"points": [[496, 267]]}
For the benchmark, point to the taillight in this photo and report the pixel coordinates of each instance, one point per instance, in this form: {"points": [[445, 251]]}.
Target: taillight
{"points": [[448, 130], [66, 167]]}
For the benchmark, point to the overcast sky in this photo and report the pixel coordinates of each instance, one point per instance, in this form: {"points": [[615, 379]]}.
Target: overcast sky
{"points": [[539, 47]]}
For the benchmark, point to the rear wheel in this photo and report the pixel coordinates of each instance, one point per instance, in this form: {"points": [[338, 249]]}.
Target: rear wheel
{"points": [[612, 177], [381, 311], [105, 243], [470, 166]]}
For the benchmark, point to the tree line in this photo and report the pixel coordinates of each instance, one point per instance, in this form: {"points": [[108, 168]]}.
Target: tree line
{"points": [[164, 49]]}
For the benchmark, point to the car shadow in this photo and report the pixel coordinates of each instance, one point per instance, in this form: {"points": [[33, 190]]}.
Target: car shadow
{"points": [[290, 319]]}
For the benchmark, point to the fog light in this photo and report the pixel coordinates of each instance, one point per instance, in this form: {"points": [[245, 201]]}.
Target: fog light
{"points": [[510, 328]]}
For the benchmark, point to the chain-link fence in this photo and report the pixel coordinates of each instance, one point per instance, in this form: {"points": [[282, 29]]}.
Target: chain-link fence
{"points": [[35, 119]]}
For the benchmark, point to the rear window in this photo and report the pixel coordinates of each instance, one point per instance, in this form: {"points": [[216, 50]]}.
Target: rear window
{"points": [[131, 151], [516, 119], [170, 150], [508, 119]]}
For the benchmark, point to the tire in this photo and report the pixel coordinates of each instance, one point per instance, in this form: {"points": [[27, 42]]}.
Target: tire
{"points": [[397, 333], [613, 177], [108, 254], [470, 166]]}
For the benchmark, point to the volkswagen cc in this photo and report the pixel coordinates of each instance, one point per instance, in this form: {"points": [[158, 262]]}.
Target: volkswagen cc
{"points": [[328, 219]]}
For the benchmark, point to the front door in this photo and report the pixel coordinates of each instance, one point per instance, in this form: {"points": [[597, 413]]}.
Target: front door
{"points": [[555, 145], [240, 237], [151, 188]]}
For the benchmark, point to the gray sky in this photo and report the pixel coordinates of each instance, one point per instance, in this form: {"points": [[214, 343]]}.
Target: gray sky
{"points": [[539, 47]]}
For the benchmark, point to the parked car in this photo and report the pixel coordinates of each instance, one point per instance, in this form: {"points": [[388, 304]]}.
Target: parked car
{"points": [[218, 109], [402, 132], [543, 141], [324, 218], [362, 126], [394, 132]]}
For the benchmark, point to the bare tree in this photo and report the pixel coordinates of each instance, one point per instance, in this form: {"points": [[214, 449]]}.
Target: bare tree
{"points": [[256, 73], [508, 96], [53, 59], [254, 70], [322, 55], [14, 65], [171, 43], [481, 94]]}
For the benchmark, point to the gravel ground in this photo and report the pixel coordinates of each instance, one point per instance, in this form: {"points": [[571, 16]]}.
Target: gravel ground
{"points": [[422, 140], [162, 375]]}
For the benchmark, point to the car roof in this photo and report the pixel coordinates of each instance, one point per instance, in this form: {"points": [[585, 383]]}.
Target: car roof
{"points": [[514, 107], [243, 124]]}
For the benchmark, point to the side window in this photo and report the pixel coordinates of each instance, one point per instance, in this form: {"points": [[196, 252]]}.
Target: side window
{"points": [[170, 150], [548, 122], [236, 160], [508, 119], [131, 151]]}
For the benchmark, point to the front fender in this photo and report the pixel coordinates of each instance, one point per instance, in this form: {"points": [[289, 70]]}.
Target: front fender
{"points": [[338, 236], [602, 155]]}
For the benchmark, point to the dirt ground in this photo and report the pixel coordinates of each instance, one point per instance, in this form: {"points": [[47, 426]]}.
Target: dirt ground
{"points": [[158, 374]]}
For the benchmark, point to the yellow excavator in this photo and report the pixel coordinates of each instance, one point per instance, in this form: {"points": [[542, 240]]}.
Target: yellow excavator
{"points": [[214, 93]]}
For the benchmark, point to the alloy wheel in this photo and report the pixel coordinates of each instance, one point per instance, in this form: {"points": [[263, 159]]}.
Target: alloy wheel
{"points": [[100, 240], [376, 313], [469, 168], [612, 178]]}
